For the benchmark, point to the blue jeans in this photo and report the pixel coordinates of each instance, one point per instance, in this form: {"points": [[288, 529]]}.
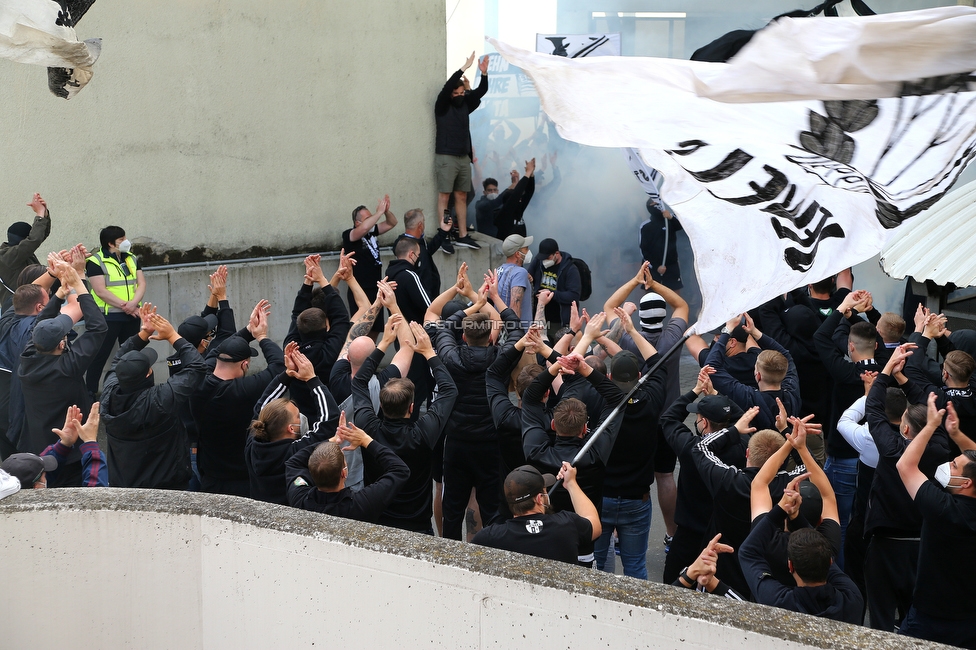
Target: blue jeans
{"points": [[842, 474], [631, 518]]}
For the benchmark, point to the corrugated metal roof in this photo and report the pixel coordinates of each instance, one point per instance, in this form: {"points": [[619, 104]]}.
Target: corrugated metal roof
{"points": [[938, 245]]}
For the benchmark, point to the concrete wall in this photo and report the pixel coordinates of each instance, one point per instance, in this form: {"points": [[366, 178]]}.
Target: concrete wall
{"points": [[229, 124], [181, 291], [149, 569]]}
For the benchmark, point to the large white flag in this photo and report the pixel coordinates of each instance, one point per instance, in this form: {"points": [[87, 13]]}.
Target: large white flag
{"points": [[800, 156], [41, 32]]}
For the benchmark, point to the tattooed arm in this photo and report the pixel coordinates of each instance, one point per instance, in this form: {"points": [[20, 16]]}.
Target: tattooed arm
{"points": [[361, 326]]}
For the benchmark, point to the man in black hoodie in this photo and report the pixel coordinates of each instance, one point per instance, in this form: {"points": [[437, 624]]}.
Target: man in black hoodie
{"points": [[319, 332], [452, 148], [147, 446], [822, 588], [841, 466], [775, 375], [223, 404], [411, 294], [316, 476], [52, 372], [471, 452], [893, 522], [554, 270], [277, 430], [413, 442]]}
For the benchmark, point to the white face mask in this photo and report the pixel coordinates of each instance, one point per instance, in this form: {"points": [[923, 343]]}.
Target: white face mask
{"points": [[548, 263], [527, 258], [125, 246], [943, 474], [303, 429], [491, 196]]}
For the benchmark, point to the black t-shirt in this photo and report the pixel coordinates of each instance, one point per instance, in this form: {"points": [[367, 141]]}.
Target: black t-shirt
{"points": [[946, 572], [368, 269], [555, 537]]}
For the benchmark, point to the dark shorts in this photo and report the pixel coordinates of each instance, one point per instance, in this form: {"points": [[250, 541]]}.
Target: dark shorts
{"points": [[453, 173]]}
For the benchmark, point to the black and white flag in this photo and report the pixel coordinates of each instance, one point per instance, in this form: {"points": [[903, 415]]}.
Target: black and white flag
{"points": [[41, 32], [799, 157]]}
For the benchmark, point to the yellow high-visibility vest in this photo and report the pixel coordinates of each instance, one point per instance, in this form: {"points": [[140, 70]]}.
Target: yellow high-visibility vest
{"points": [[117, 281]]}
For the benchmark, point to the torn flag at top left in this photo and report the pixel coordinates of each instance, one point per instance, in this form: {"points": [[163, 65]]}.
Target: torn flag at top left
{"points": [[42, 32]]}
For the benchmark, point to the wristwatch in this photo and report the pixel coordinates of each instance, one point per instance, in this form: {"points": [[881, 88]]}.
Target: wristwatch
{"points": [[726, 330]]}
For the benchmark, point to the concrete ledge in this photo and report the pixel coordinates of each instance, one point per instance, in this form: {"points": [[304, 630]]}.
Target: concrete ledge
{"points": [[176, 569]]}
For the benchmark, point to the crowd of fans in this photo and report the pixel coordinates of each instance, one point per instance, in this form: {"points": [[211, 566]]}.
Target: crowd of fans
{"points": [[830, 469]]}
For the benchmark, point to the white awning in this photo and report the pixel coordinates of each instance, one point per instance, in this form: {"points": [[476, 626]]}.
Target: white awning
{"points": [[939, 244]]}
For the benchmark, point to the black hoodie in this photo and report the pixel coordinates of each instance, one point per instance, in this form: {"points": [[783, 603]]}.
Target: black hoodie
{"points": [[838, 599], [411, 295], [147, 445], [266, 460]]}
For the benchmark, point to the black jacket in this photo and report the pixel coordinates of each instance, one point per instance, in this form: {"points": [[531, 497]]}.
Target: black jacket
{"points": [[568, 286], [839, 599], [731, 489], [147, 445], [365, 505], [266, 460], [222, 411], [411, 294], [52, 383], [630, 468], [430, 277], [453, 135], [413, 442], [16, 257], [891, 511], [693, 509], [547, 452], [848, 387], [504, 414], [471, 418], [322, 348]]}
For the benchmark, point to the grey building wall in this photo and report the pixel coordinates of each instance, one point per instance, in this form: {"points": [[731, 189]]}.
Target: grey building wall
{"points": [[229, 124]]}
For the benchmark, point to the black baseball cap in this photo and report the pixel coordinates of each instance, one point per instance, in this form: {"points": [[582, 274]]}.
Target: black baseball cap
{"points": [[196, 328], [716, 408], [51, 331], [525, 482], [625, 369], [27, 468], [134, 365], [547, 247], [235, 349]]}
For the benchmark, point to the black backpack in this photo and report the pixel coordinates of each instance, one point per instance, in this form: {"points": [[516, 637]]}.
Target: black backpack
{"points": [[586, 279]]}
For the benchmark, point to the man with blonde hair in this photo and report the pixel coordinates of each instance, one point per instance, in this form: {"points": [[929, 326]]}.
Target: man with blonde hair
{"points": [[775, 375]]}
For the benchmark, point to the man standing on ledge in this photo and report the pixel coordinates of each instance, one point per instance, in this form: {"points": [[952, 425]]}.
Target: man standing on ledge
{"points": [[452, 148]]}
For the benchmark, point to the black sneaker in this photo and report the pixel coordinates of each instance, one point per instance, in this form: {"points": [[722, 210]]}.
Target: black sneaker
{"points": [[467, 242], [447, 246]]}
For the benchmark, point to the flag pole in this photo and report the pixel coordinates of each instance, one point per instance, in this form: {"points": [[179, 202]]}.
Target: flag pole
{"points": [[616, 411]]}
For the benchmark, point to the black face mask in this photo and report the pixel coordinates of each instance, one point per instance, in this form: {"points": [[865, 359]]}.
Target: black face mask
{"points": [[458, 101]]}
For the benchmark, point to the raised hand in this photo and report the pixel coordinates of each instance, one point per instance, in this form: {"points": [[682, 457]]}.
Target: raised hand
{"points": [[164, 329], [146, 312], [483, 64], [304, 370], [422, 345], [69, 433], [218, 283], [703, 386], [744, 425], [88, 432], [38, 205]]}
